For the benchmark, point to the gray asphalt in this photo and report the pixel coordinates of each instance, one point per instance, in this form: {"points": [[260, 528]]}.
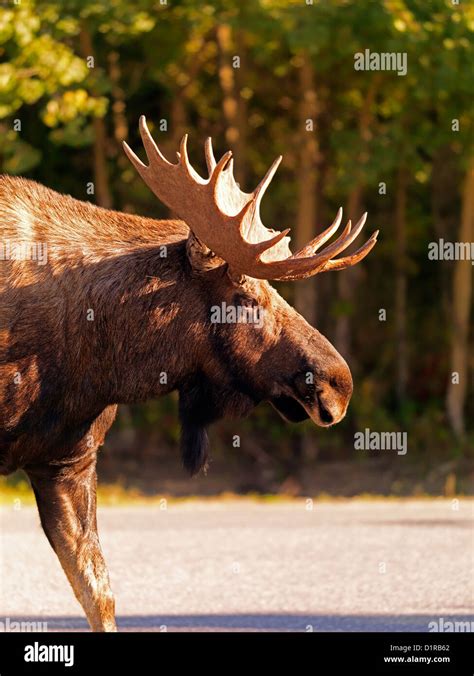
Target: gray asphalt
{"points": [[246, 566]]}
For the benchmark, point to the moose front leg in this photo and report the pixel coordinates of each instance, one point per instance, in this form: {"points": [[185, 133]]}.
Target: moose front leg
{"points": [[66, 499]]}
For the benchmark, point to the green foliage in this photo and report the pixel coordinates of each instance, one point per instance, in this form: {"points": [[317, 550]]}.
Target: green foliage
{"points": [[163, 60]]}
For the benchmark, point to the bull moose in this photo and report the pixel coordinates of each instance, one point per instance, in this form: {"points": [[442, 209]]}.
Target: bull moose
{"points": [[107, 314]]}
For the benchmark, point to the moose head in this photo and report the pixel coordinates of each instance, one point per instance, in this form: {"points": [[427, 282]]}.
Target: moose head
{"points": [[258, 348]]}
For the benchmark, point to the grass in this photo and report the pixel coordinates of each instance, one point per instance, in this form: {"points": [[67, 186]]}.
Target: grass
{"points": [[16, 490]]}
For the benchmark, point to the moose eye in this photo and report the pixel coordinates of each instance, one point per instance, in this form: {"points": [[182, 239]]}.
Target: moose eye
{"points": [[245, 301]]}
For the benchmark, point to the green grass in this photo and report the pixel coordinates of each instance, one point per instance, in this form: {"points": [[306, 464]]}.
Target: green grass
{"points": [[17, 488]]}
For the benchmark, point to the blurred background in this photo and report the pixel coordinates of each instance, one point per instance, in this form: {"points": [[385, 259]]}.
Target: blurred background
{"points": [[266, 78]]}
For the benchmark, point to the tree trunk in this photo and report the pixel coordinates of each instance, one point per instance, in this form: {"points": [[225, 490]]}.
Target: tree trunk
{"points": [[231, 109], [179, 120], [242, 111], [308, 155], [118, 106], [305, 291], [444, 212], [101, 175], [461, 307], [401, 286], [347, 282]]}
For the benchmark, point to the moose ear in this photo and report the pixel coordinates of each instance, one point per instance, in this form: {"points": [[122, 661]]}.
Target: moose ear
{"points": [[200, 257]]}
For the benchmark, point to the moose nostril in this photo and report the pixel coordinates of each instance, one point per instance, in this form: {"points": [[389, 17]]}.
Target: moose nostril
{"points": [[326, 416]]}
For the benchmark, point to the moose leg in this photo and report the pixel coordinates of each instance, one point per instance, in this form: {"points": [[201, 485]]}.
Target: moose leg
{"points": [[66, 499]]}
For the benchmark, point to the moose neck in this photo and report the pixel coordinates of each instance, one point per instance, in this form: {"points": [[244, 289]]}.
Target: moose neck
{"points": [[138, 341]]}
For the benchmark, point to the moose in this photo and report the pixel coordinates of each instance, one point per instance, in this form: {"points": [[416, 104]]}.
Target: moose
{"points": [[107, 314]]}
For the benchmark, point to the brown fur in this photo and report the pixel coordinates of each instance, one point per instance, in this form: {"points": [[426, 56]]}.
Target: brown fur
{"points": [[62, 376]]}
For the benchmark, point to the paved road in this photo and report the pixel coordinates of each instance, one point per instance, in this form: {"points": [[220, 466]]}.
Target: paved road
{"points": [[239, 565]]}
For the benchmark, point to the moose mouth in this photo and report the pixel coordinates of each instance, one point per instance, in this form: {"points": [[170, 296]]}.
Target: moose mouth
{"points": [[289, 409], [293, 411]]}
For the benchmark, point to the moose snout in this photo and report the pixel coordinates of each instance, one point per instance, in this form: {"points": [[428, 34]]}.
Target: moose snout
{"points": [[332, 397], [330, 408]]}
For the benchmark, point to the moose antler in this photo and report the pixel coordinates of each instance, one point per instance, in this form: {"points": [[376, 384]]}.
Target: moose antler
{"points": [[227, 220]]}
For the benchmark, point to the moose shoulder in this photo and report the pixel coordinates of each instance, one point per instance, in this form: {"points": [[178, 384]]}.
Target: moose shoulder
{"points": [[99, 308]]}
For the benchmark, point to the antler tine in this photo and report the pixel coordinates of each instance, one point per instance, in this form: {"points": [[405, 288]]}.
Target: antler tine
{"points": [[253, 225], [343, 241], [151, 149], [183, 152], [134, 159], [266, 180], [316, 243], [183, 161], [241, 219], [210, 159], [348, 261], [219, 168], [261, 247]]}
